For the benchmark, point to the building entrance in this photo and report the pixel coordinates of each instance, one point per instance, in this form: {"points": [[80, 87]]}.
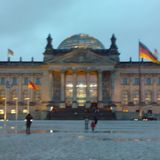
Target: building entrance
{"points": [[81, 89], [81, 94]]}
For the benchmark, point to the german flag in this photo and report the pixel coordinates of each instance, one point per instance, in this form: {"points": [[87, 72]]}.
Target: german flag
{"points": [[145, 53], [33, 86]]}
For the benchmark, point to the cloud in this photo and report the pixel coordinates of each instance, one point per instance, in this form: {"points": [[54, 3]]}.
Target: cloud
{"points": [[22, 16], [26, 23]]}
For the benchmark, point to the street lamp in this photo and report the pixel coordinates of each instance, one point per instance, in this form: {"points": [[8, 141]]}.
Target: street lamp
{"points": [[5, 108], [28, 108], [16, 100]]}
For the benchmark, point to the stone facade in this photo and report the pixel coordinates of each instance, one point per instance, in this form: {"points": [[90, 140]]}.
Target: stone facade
{"points": [[78, 77]]}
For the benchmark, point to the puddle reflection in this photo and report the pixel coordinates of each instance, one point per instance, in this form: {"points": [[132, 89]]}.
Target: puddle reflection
{"points": [[132, 139], [91, 136]]}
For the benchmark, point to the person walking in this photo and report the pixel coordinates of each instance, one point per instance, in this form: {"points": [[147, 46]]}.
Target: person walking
{"points": [[93, 125], [95, 120], [28, 120]]}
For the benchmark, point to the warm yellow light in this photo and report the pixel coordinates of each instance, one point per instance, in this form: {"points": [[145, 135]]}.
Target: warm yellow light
{"points": [[27, 98], [13, 111], [81, 85], [15, 98], [125, 110], [69, 85], [93, 85], [25, 111], [1, 111], [51, 108]]}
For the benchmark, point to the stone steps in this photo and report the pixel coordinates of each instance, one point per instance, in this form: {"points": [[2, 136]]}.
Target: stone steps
{"points": [[78, 114]]}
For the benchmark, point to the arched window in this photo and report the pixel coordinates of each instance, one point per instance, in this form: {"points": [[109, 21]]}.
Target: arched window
{"points": [[125, 97], [135, 97], [148, 97]]}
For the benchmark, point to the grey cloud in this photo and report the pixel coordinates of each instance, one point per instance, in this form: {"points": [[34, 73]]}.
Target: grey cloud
{"points": [[23, 15], [24, 24]]}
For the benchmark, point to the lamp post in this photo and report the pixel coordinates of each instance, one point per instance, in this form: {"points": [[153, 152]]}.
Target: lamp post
{"points": [[16, 100], [5, 108], [28, 107]]}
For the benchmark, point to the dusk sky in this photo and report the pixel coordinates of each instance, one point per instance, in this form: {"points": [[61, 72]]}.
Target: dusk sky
{"points": [[25, 24]]}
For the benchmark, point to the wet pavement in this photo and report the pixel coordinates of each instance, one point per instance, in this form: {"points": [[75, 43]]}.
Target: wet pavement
{"points": [[61, 140]]}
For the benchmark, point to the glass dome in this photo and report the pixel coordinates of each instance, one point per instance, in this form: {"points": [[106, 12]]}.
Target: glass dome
{"points": [[81, 41]]}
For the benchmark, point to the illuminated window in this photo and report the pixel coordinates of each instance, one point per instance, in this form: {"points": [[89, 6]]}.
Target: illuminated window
{"points": [[125, 97], [25, 111], [1, 111], [13, 94], [81, 85], [2, 94], [148, 97], [135, 97], [93, 87], [13, 111], [69, 86]]}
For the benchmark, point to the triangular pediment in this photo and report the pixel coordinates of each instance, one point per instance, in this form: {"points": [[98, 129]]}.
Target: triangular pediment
{"points": [[80, 56]]}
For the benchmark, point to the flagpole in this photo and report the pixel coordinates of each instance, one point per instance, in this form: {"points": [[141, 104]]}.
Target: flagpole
{"points": [[28, 100], [140, 91]]}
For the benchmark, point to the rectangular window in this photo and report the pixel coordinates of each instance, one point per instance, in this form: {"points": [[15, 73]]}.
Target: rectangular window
{"points": [[125, 81], [26, 80], [37, 81], [2, 81], [14, 81], [136, 81], [148, 81]]}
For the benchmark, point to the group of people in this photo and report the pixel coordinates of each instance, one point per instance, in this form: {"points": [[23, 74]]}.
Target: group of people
{"points": [[92, 124]]}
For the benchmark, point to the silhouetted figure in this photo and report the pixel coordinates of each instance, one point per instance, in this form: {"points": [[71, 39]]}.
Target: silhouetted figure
{"points": [[86, 123], [95, 120], [93, 125], [28, 120]]}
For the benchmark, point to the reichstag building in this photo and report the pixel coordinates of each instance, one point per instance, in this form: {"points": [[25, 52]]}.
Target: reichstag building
{"points": [[80, 73]]}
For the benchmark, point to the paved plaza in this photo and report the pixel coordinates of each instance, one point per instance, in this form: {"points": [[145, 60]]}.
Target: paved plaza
{"points": [[68, 140]]}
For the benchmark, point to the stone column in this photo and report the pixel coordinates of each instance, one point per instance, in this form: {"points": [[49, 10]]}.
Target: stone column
{"points": [[74, 101], [50, 85], [130, 89], [100, 88], [88, 103], [19, 88], [154, 90], [142, 90], [62, 105], [117, 90]]}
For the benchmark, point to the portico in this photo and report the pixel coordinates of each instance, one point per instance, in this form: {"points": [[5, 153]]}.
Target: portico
{"points": [[77, 87]]}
